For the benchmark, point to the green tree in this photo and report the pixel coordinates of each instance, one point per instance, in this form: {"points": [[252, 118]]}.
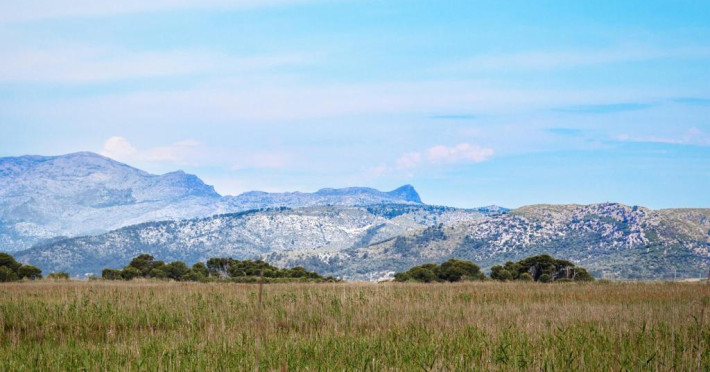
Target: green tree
{"points": [[192, 276], [422, 274], [581, 275], [176, 269], [130, 272], [544, 278], [111, 274], [7, 275], [525, 277], [145, 263], [58, 276], [498, 272], [29, 272], [201, 269], [158, 273], [455, 270], [9, 262]]}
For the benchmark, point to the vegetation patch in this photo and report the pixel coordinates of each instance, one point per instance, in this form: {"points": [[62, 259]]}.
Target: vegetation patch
{"points": [[11, 270], [216, 269]]}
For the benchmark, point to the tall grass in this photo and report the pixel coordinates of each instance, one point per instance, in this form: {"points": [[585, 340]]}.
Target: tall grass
{"points": [[149, 326]]}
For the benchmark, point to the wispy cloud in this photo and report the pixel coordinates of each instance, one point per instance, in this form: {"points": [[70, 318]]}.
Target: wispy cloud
{"points": [[72, 64], [453, 117], [409, 160], [195, 153], [693, 101], [567, 132], [463, 153], [606, 108], [692, 136], [561, 59], [28, 10]]}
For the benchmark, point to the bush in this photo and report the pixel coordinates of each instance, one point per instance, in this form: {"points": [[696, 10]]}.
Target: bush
{"points": [[111, 274], [11, 270], [130, 273], [525, 277], [544, 278], [7, 275], [176, 270], [58, 276], [29, 272], [145, 266], [421, 274], [452, 270], [500, 273], [158, 273], [9, 262]]}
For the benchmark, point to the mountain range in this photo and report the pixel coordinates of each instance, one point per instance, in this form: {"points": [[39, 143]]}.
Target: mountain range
{"points": [[46, 197], [84, 212]]}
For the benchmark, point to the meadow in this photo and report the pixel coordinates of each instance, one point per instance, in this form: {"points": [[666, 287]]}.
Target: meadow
{"points": [[166, 326]]}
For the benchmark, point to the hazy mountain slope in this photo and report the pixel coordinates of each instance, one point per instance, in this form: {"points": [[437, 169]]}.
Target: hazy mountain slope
{"points": [[350, 196], [243, 235], [612, 240], [43, 197]]}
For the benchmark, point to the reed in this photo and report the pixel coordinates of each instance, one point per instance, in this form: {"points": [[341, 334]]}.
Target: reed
{"points": [[149, 326]]}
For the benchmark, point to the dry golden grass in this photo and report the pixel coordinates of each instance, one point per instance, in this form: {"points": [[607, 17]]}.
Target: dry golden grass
{"points": [[152, 326]]}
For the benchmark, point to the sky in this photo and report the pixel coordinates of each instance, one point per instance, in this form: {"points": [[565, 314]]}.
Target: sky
{"points": [[472, 102]]}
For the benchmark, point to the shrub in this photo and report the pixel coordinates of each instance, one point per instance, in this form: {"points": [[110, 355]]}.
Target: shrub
{"points": [[130, 272], [7, 275], [176, 269], [525, 277], [58, 276], [11, 270], [452, 270], [111, 274], [9, 262], [214, 269], [544, 278], [29, 272]]}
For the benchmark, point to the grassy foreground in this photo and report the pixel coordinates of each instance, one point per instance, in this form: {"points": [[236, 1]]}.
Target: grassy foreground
{"points": [[468, 326]]}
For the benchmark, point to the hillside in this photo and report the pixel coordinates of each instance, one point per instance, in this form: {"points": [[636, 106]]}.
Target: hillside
{"points": [[48, 197], [324, 229], [612, 240]]}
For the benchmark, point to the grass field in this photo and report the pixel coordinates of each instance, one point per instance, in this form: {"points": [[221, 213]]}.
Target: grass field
{"points": [[160, 326]]}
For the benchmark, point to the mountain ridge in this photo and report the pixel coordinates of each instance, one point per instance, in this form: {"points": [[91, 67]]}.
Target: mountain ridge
{"points": [[43, 197], [611, 239]]}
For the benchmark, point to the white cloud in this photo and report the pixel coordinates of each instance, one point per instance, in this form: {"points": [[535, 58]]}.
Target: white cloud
{"points": [[26, 10], [461, 153], [118, 148]]}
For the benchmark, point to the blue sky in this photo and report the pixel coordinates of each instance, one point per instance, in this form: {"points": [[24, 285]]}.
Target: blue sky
{"points": [[471, 102]]}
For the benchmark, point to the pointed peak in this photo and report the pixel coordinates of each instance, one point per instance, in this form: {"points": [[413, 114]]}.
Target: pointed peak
{"points": [[406, 192]]}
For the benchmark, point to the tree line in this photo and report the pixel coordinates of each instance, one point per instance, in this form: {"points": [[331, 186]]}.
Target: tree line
{"points": [[11, 270], [222, 268], [542, 268]]}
